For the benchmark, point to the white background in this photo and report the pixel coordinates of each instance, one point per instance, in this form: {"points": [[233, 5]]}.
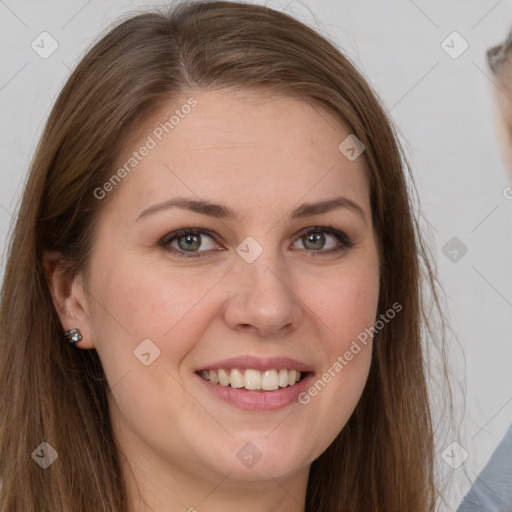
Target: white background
{"points": [[442, 106]]}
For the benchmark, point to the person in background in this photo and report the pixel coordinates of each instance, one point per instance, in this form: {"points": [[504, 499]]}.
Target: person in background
{"points": [[492, 490]]}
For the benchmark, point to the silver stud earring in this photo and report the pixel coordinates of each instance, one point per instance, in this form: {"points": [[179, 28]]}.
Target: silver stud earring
{"points": [[73, 336]]}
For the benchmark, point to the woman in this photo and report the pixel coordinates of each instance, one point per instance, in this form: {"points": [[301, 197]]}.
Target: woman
{"points": [[212, 298]]}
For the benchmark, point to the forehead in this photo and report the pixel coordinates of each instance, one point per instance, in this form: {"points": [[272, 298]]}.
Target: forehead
{"points": [[243, 146]]}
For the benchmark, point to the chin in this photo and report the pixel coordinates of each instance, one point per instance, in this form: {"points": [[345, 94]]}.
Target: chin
{"points": [[260, 460]]}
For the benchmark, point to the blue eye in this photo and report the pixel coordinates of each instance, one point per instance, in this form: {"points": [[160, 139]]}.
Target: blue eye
{"points": [[318, 240]]}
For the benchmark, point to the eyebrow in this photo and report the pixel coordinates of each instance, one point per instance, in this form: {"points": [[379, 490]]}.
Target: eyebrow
{"points": [[223, 212]]}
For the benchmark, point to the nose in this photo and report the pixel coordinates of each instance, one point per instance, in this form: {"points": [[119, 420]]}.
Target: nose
{"points": [[261, 298]]}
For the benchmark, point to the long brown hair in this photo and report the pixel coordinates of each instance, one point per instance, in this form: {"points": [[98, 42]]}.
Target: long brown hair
{"points": [[382, 460]]}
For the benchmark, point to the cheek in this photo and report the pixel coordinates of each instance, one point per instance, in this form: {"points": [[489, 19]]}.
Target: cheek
{"points": [[351, 307], [134, 303], [345, 303], [345, 309], [139, 301]]}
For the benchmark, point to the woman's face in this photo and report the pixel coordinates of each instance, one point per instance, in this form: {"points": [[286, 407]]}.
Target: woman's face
{"points": [[275, 284]]}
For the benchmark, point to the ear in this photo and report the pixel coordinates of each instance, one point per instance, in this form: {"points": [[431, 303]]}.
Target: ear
{"points": [[69, 298]]}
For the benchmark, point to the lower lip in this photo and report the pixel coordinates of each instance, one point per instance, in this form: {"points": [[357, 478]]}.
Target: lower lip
{"points": [[258, 400]]}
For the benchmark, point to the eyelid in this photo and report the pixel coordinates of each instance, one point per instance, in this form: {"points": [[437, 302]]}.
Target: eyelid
{"points": [[327, 229], [165, 242], [342, 238]]}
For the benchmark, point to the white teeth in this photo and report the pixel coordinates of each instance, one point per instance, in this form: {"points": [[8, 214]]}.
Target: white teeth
{"points": [[251, 379], [236, 378], [283, 378], [223, 377], [269, 380]]}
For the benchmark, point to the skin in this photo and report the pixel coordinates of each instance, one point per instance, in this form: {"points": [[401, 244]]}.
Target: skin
{"points": [[503, 117], [261, 157]]}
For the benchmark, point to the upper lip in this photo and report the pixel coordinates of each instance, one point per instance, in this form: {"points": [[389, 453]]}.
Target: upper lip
{"points": [[258, 363]]}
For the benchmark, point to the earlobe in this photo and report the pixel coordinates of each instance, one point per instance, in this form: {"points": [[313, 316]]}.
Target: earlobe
{"points": [[68, 299]]}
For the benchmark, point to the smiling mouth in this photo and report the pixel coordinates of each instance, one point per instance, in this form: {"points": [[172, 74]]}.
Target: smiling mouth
{"points": [[253, 380]]}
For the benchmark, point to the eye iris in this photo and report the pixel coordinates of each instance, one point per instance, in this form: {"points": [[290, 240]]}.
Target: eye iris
{"points": [[195, 240], [318, 240]]}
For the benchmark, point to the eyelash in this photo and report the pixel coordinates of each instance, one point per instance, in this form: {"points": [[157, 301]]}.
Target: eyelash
{"points": [[343, 239]]}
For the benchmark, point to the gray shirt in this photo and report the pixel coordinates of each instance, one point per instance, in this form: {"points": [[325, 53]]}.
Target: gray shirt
{"points": [[492, 490]]}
